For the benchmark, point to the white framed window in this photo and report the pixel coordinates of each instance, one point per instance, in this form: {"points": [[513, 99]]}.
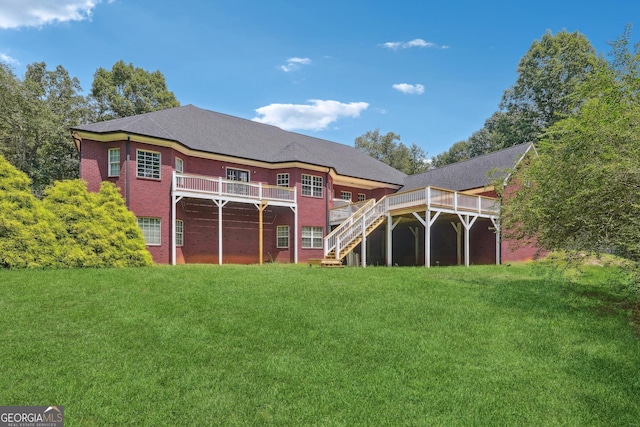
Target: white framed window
{"points": [[179, 165], [114, 162], [362, 197], [282, 180], [282, 236], [311, 185], [179, 232], [150, 230], [148, 164], [238, 175], [312, 238], [345, 195]]}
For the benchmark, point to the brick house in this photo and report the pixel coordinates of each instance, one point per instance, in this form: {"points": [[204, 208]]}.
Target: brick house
{"points": [[212, 188]]}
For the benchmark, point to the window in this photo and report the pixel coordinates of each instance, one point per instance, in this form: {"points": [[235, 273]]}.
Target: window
{"points": [[362, 197], [114, 162], [345, 195], [179, 165], [238, 175], [283, 180], [311, 185], [312, 237], [148, 164], [179, 232], [150, 230], [283, 236]]}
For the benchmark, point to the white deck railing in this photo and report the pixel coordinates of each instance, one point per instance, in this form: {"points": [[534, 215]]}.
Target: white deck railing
{"points": [[225, 187], [441, 198], [340, 213], [356, 224]]}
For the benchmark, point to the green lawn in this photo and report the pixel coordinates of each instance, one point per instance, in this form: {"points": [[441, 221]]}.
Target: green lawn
{"points": [[293, 345]]}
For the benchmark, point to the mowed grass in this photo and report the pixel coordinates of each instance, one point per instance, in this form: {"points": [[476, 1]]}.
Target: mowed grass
{"points": [[293, 345]]}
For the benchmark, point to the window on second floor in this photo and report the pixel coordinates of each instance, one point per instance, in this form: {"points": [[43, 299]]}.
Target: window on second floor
{"points": [[179, 165], [237, 175], [282, 180], [114, 162], [311, 185], [345, 195], [362, 197], [148, 164]]}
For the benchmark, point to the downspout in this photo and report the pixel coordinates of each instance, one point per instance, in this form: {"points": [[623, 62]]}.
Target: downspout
{"points": [[126, 170], [326, 207]]}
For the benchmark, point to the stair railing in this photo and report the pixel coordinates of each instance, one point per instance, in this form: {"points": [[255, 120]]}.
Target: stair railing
{"points": [[330, 239], [347, 233]]}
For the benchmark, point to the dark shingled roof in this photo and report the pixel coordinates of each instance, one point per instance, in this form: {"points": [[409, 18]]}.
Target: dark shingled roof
{"points": [[468, 174], [212, 132]]}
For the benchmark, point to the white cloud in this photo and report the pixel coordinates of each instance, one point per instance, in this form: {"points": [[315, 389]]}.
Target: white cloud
{"points": [[316, 116], [294, 63], [412, 43], [416, 89], [36, 13], [8, 60]]}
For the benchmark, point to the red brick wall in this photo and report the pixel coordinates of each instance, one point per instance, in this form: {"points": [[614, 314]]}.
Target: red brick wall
{"points": [[152, 198]]}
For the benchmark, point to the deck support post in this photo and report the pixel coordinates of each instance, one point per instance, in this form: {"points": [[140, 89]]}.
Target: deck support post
{"points": [[467, 221], [363, 245], [295, 233], [427, 222], [390, 226], [496, 224], [220, 204], [174, 202], [261, 207]]}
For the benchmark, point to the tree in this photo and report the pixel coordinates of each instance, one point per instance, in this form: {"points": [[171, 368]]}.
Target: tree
{"points": [[581, 193], [409, 160], [548, 75], [126, 90], [35, 116], [544, 92]]}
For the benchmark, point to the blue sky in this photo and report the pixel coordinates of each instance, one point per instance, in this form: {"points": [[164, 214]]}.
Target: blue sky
{"points": [[430, 71]]}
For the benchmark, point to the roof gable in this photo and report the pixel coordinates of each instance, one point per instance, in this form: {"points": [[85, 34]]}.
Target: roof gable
{"points": [[471, 173], [211, 132]]}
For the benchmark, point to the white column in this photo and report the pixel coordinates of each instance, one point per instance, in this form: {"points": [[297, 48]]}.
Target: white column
{"points": [[389, 241], [220, 204], [363, 245]]}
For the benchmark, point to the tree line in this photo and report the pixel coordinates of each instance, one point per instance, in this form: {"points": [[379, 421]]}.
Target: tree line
{"points": [[36, 112]]}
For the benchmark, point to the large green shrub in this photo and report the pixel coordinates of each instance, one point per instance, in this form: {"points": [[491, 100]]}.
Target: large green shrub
{"points": [[101, 232], [70, 227], [29, 233]]}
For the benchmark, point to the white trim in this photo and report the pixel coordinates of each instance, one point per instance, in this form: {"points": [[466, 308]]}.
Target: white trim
{"points": [[278, 236], [312, 186], [314, 238], [149, 231], [179, 233], [159, 177], [110, 162], [282, 175]]}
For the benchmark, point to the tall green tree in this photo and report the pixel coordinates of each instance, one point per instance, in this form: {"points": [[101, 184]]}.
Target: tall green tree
{"points": [[581, 193], [390, 150], [126, 90], [548, 75], [544, 93], [35, 115]]}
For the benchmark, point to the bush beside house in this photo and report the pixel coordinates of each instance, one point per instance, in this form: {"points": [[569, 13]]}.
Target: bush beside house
{"points": [[69, 228]]}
